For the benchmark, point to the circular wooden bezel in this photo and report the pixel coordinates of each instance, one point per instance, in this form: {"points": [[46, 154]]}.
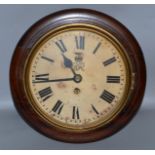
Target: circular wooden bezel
{"points": [[53, 21]]}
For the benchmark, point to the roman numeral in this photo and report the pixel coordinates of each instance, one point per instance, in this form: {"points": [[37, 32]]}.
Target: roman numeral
{"points": [[75, 114], [58, 107], [48, 59], [96, 48], [109, 61], [45, 93], [94, 109], [113, 79], [61, 46], [80, 40], [41, 78], [107, 96]]}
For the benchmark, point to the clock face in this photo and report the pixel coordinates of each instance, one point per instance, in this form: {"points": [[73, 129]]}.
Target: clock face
{"points": [[77, 78]]}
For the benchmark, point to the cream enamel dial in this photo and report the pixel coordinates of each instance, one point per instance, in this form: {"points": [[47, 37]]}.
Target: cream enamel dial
{"points": [[78, 78]]}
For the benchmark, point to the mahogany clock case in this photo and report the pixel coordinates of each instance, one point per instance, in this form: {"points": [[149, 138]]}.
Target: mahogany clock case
{"points": [[73, 16]]}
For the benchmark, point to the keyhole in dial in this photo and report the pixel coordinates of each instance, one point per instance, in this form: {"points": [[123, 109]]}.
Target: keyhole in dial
{"points": [[76, 91]]}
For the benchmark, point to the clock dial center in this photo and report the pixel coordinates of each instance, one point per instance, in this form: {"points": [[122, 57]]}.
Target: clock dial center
{"points": [[77, 78]]}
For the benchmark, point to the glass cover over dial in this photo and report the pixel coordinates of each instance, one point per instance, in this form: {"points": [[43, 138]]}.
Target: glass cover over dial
{"points": [[78, 78]]}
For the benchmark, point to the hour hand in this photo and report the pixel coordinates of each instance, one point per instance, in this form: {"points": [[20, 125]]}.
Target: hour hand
{"points": [[68, 63]]}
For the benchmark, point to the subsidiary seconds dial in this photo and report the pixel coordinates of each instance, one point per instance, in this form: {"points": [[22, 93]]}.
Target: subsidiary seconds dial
{"points": [[78, 78]]}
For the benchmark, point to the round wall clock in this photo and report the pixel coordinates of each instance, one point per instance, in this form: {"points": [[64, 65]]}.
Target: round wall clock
{"points": [[77, 76]]}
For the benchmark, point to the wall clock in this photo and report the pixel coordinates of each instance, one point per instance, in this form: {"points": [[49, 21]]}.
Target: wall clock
{"points": [[77, 76]]}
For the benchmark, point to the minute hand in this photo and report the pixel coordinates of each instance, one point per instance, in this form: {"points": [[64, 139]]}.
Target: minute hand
{"points": [[55, 80]]}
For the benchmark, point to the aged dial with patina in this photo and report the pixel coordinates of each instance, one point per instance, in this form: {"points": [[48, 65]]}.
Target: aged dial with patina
{"points": [[78, 79], [77, 76]]}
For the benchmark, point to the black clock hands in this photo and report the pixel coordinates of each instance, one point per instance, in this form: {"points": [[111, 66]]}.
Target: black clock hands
{"points": [[68, 64]]}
